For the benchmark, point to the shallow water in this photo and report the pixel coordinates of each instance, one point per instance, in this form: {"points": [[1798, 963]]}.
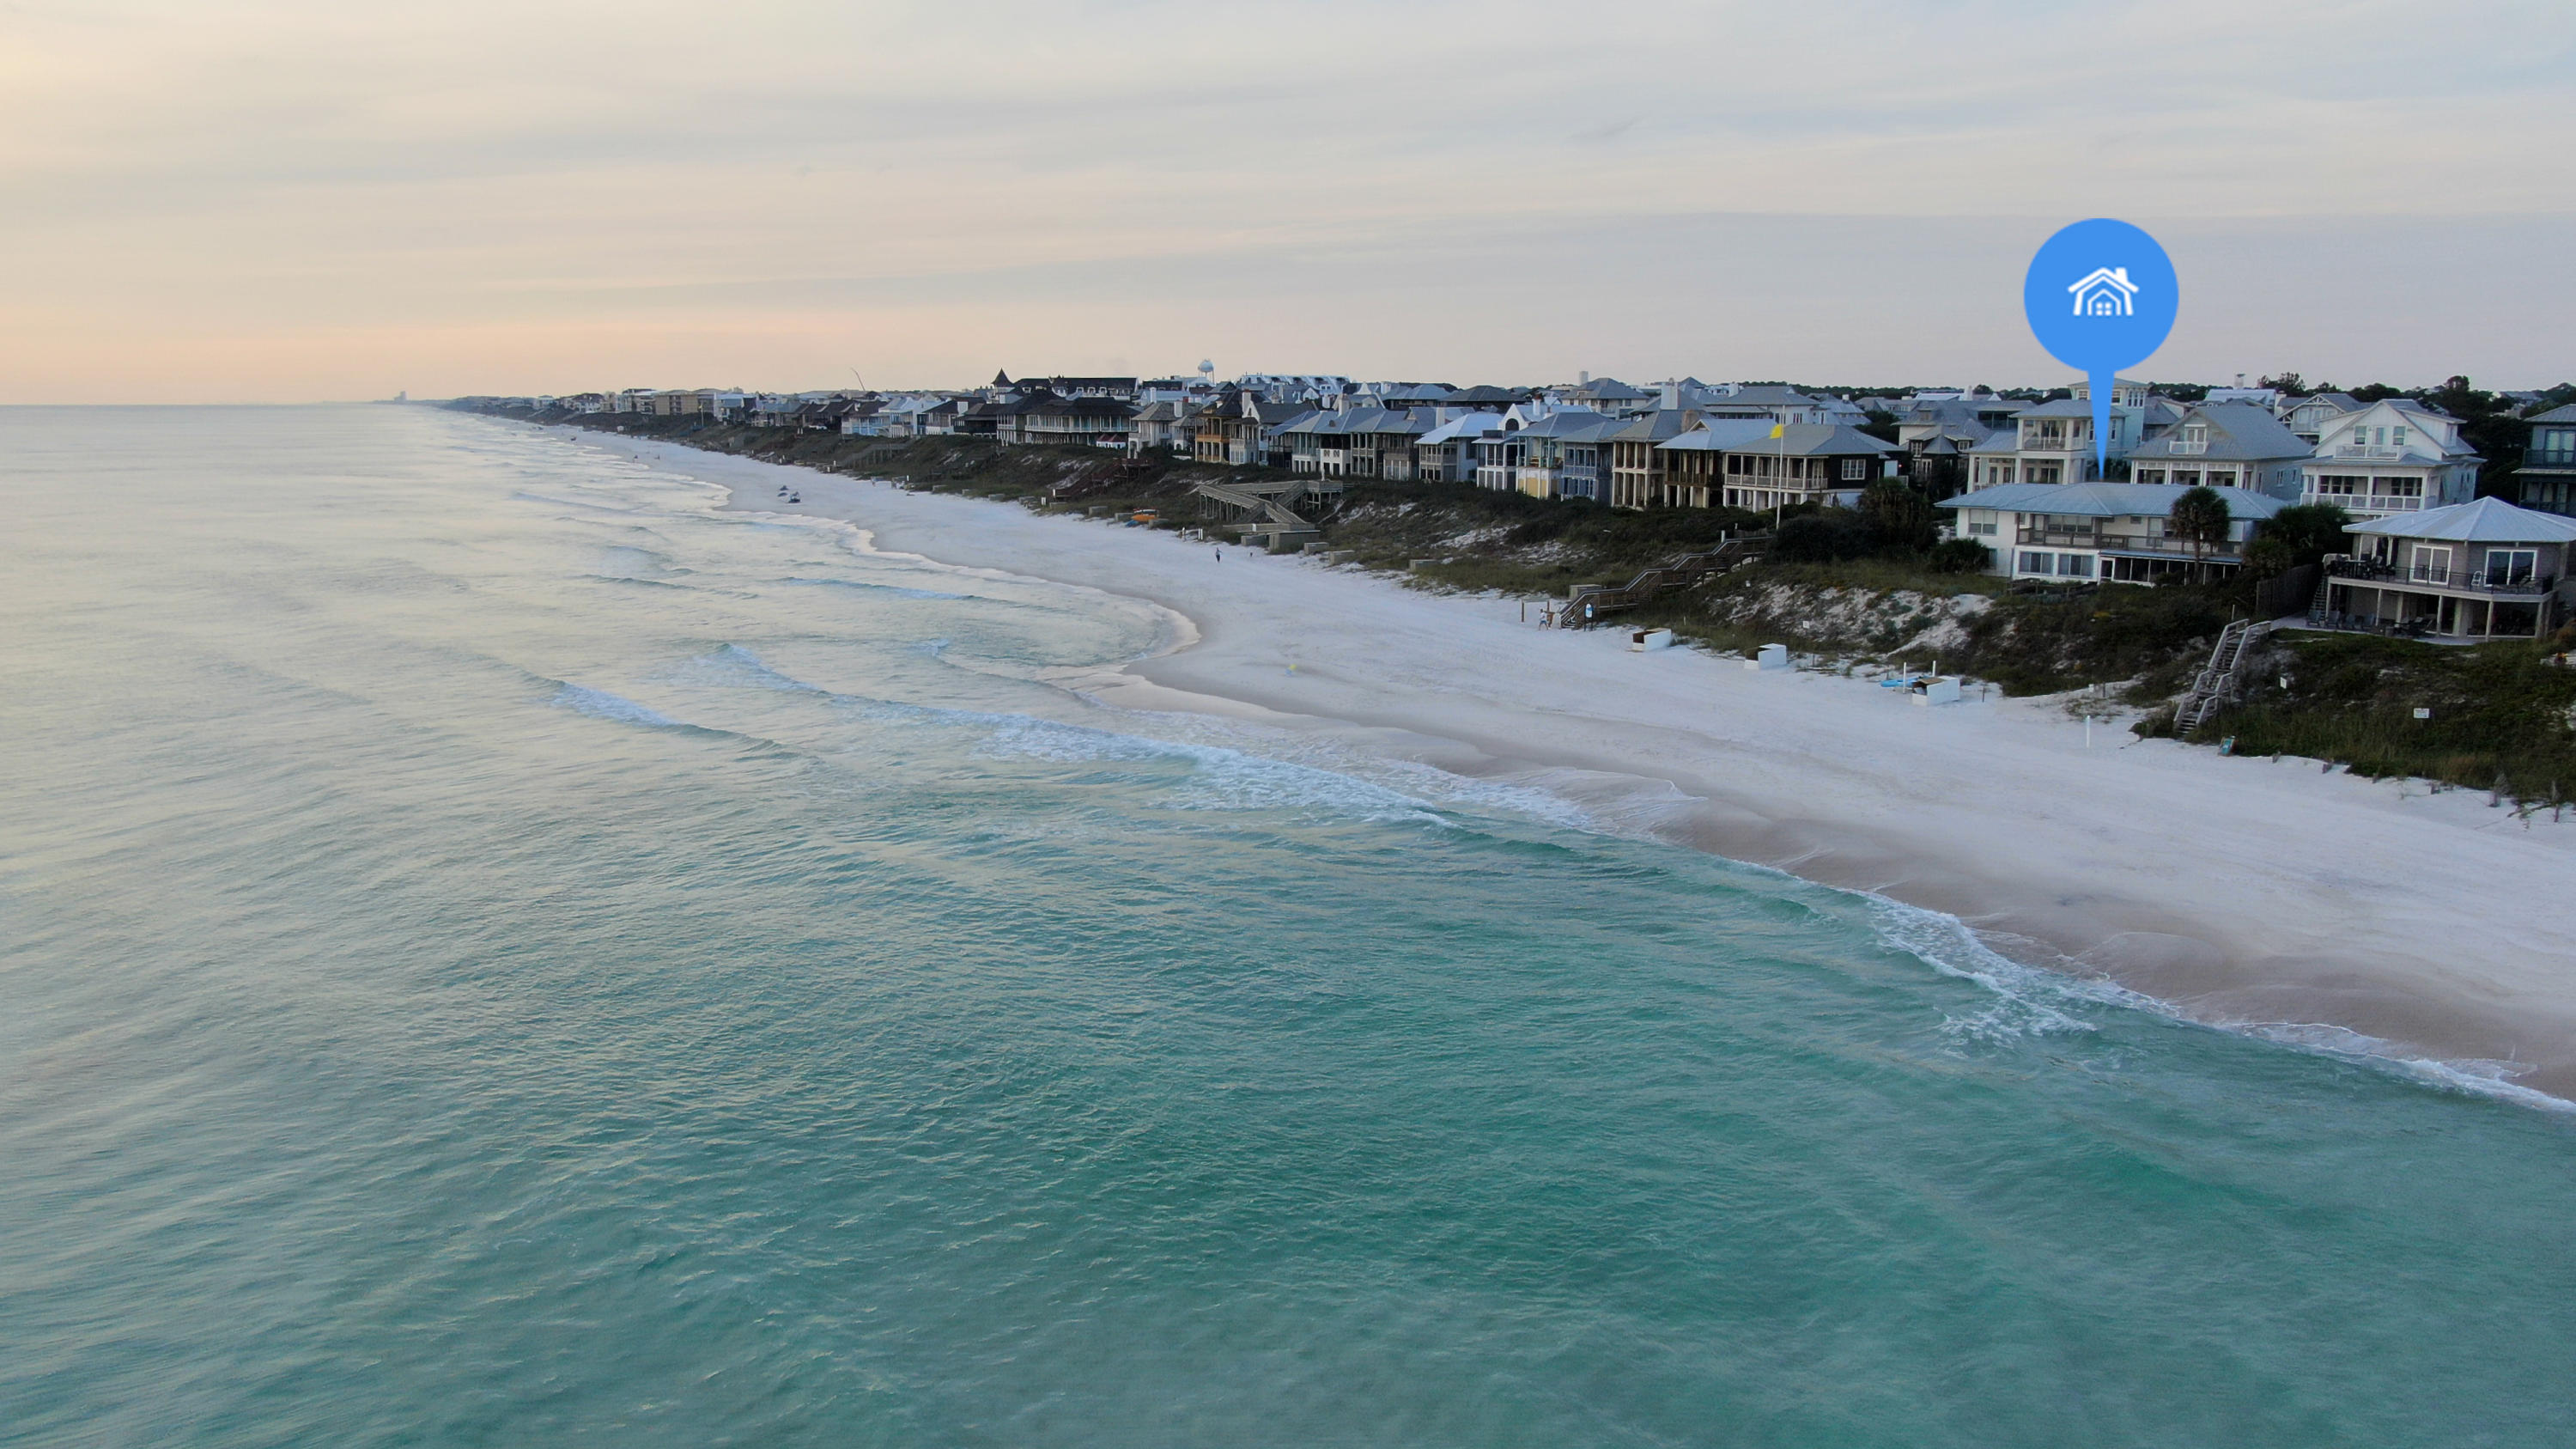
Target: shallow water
{"points": [[497, 952]]}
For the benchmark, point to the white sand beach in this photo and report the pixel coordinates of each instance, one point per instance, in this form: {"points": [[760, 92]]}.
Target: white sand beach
{"points": [[2244, 891]]}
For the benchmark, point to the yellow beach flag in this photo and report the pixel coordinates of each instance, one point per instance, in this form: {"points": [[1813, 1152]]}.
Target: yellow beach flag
{"points": [[1779, 430]]}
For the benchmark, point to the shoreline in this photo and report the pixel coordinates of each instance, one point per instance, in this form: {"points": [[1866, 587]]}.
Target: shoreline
{"points": [[2243, 893]]}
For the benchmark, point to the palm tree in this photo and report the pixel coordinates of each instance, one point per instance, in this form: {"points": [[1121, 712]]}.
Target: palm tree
{"points": [[2200, 519]]}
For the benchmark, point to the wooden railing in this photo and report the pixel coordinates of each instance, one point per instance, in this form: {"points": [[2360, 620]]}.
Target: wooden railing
{"points": [[1587, 604]]}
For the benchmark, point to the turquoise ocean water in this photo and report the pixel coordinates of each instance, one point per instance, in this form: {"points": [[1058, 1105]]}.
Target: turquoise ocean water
{"points": [[492, 952]]}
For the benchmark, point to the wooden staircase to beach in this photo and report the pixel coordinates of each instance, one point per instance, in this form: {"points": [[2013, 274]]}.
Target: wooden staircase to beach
{"points": [[1274, 525], [1588, 604], [2215, 687]]}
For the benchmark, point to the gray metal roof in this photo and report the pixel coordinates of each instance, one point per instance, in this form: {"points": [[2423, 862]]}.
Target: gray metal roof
{"points": [[2565, 414], [1471, 425], [1656, 426], [2238, 432], [2481, 520], [2108, 500], [2065, 407], [1718, 435], [1797, 440], [1770, 393]]}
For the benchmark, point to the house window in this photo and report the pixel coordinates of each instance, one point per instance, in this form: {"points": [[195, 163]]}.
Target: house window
{"points": [[2512, 565], [2397, 437], [1855, 469], [2038, 563], [2075, 565], [1982, 530]]}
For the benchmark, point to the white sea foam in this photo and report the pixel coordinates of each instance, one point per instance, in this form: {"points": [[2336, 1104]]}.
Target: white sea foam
{"points": [[2036, 1001]]}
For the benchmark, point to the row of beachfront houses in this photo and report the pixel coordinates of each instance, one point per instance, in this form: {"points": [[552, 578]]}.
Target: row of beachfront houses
{"points": [[2022, 475]]}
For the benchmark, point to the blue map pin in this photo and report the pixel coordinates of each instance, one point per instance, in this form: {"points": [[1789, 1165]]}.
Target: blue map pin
{"points": [[2100, 297]]}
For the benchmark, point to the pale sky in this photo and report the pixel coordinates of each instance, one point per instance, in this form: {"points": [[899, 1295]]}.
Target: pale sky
{"points": [[281, 200]]}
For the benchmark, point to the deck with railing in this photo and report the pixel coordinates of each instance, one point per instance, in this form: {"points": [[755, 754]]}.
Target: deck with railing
{"points": [[2506, 582]]}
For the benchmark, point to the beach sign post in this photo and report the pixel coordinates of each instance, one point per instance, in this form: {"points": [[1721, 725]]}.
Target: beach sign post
{"points": [[2100, 296]]}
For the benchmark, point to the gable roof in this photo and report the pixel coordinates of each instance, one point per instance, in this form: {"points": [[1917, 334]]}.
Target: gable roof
{"points": [[2238, 432], [1657, 426], [1608, 389], [2481, 520], [1471, 425], [2565, 414], [2427, 426], [2108, 500]]}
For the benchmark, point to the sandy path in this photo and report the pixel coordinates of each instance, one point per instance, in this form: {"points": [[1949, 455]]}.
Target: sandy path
{"points": [[2243, 890]]}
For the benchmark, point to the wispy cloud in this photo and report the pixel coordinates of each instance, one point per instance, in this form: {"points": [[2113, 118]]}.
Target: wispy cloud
{"points": [[612, 186]]}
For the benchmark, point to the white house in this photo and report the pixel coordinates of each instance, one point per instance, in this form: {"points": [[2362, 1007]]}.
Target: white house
{"points": [[2393, 456], [2107, 532]]}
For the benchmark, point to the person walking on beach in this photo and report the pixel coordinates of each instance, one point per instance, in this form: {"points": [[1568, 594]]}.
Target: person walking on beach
{"points": [[1220, 555]]}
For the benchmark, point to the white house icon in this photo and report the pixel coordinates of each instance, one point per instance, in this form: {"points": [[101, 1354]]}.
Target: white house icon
{"points": [[2106, 293]]}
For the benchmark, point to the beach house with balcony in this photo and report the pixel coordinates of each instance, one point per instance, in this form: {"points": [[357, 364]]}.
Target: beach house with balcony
{"points": [[2547, 478], [1744, 463], [1447, 453], [1360, 442], [1044, 416], [1566, 455], [1162, 426], [2484, 569], [2392, 456], [2225, 445], [2051, 442], [1500, 453], [1240, 429], [1637, 476], [2117, 533]]}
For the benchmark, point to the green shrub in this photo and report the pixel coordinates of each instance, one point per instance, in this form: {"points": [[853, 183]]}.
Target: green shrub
{"points": [[1822, 537]]}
